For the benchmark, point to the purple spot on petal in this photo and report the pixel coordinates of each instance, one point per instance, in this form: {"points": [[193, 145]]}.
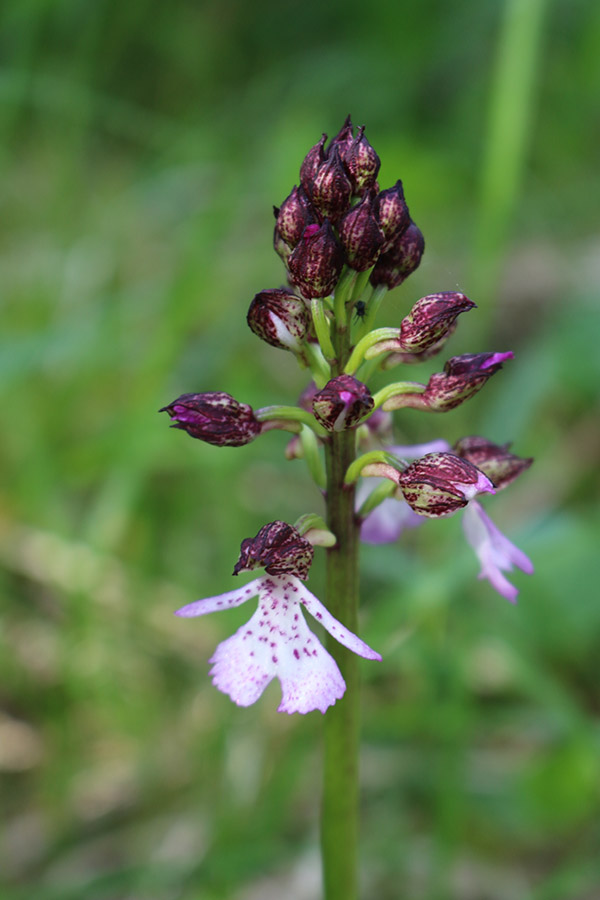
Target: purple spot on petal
{"points": [[274, 658], [319, 615], [296, 654]]}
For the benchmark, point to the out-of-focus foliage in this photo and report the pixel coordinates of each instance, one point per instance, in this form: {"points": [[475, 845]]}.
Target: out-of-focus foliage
{"points": [[143, 147]]}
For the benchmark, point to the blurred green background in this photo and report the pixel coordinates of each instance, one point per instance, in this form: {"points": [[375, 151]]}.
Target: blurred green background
{"points": [[143, 147]]}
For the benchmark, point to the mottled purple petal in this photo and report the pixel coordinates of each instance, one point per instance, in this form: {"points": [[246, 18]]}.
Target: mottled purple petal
{"points": [[494, 551]]}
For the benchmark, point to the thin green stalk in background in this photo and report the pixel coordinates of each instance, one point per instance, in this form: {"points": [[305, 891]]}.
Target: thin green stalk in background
{"points": [[511, 113]]}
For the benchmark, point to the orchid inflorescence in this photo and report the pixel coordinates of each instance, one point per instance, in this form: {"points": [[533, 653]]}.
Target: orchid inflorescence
{"points": [[345, 243]]}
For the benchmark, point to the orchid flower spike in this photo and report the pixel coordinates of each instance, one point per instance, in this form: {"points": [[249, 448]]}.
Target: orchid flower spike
{"points": [[276, 642]]}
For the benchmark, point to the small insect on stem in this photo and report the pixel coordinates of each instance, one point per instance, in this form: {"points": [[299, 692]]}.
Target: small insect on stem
{"points": [[360, 311]]}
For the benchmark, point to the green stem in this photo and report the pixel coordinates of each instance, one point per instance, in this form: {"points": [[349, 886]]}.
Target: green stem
{"points": [[322, 327], [339, 819], [374, 304], [339, 823], [365, 343]]}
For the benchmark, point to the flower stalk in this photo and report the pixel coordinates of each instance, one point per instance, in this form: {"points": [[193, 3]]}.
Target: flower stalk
{"points": [[345, 244]]}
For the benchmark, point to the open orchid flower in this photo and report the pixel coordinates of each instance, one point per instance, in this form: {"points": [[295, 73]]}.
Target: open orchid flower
{"points": [[277, 643], [494, 551]]}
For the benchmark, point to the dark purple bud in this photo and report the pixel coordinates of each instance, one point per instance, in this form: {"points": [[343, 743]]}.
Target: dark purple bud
{"points": [[279, 548], [342, 403], [394, 217], [362, 163], [279, 245], [279, 318], [316, 263], [431, 320], [331, 189], [462, 377], [440, 484], [396, 264], [495, 461], [343, 139], [214, 417], [294, 214], [311, 164], [360, 234]]}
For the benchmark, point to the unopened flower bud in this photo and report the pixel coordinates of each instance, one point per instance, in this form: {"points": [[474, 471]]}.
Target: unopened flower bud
{"points": [[394, 217], [311, 164], [362, 163], [279, 548], [279, 318], [294, 214], [360, 234], [342, 403], [440, 484], [431, 319], [403, 257], [462, 377], [501, 466], [343, 139], [316, 263], [214, 417], [279, 245], [331, 189]]}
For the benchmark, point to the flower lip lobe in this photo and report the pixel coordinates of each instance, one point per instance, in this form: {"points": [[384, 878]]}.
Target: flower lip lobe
{"points": [[494, 551]]}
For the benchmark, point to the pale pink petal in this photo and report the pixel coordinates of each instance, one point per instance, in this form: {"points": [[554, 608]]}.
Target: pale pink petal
{"points": [[220, 601], [483, 485], [497, 358], [494, 551], [342, 634], [414, 451], [387, 521]]}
